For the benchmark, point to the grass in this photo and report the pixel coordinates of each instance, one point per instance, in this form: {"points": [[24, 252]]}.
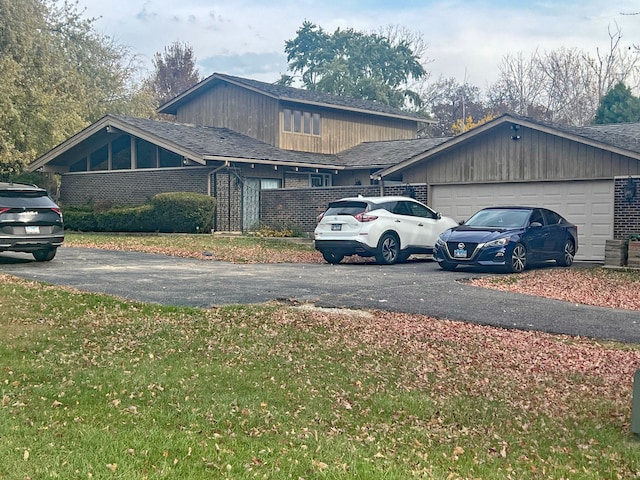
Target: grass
{"points": [[237, 249], [96, 387]]}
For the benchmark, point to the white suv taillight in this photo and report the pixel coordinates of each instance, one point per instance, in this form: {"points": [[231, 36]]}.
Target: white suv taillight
{"points": [[365, 217]]}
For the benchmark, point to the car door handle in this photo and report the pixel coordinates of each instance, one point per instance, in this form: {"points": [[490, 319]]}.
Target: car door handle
{"points": [[397, 221], [421, 224]]}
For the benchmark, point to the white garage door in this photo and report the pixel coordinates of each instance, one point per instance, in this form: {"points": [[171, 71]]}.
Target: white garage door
{"points": [[588, 204]]}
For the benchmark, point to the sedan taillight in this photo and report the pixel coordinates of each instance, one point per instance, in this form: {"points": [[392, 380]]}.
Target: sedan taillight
{"points": [[365, 217], [4, 209]]}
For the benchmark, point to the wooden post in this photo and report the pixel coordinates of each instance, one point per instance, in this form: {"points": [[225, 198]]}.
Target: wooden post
{"points": [[635, 404]]}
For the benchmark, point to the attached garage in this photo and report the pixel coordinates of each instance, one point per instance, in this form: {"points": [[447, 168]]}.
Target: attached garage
{"points": [[588, 204], [583, 173]]}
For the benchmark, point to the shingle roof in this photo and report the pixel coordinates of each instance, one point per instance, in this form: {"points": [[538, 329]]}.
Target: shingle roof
{"points": [[222, 142], [620, 135], [292, 94], [387, 153]]}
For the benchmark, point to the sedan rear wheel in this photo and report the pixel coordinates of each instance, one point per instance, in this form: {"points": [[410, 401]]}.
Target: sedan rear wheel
{"points": [[388, 249], [518, 261], [568, 253]]}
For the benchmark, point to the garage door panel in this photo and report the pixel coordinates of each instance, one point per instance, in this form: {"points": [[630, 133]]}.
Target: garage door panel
{"points": [[588, 204]]}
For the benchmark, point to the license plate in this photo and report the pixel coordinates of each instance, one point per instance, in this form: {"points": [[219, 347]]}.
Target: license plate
{"points": [[336, 227], [460, 253], [32, 229]]}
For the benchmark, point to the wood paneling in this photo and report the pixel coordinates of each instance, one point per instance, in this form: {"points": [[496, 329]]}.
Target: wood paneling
{"points": [[239, 109], [496, 157], [260, 116]]}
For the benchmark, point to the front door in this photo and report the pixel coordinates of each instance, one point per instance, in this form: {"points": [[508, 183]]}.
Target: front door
{"points": [[251, 204]]}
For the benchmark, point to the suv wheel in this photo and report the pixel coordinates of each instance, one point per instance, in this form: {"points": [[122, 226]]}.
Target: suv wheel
{"points": [[44, 255], [332, 257], [388, 249]]}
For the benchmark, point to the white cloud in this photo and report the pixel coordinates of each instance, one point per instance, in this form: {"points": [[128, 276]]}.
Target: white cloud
{"points": [[466, 38]]}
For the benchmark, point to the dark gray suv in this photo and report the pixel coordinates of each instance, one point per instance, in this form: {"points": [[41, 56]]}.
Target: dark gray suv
{"points": [[30, 221]]}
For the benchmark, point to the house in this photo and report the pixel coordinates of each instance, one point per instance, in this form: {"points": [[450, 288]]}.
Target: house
{"points": [[232, 138], [276, 155], [588, 174]]}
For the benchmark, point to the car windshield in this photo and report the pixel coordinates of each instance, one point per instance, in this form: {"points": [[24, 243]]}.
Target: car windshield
{"points": [[346, 208], [499, 218]]}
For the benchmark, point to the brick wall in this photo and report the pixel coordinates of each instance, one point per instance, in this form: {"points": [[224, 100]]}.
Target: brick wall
{"points": [[626, 216], [228, 212], [298, 208], [133, 187]]}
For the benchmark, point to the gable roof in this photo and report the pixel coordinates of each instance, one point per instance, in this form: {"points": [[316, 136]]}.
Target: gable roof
{"points": [[291, 94], [383, 154], [623, 138], [196, 143]]}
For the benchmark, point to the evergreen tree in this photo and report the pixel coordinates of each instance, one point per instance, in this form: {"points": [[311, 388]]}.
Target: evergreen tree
{"points": [[618, 106]]}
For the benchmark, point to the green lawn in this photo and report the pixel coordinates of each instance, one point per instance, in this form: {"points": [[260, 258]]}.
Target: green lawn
{"points": [[95, 387]]}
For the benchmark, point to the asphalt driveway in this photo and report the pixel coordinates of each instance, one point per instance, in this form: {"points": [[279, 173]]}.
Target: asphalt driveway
{"points": [[414, 287]]}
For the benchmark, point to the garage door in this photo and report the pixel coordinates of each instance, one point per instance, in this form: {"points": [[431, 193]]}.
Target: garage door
{"points": [[588, 204]]}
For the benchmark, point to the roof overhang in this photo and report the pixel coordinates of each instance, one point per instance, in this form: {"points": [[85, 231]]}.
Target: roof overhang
{"points": [[493, 124], [171, 107], [110, 125]]}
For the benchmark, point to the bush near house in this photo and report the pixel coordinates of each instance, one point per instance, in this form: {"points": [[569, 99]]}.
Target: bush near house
{"points": [[173, 212]]}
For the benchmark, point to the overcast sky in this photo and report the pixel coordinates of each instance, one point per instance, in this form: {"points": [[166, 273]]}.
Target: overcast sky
{"points": [[466, 38]]}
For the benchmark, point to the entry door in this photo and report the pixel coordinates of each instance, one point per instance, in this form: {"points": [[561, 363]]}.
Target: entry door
{"points": [[251, 204]]}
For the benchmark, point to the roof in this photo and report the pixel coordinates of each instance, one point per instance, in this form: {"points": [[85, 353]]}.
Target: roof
{"points": [[622, 138], [10, 186], [386, 153], [197, 143], [201, 144], [291, 94]]}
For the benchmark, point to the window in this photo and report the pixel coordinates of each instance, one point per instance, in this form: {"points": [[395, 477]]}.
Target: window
{"points": [[270, 183], [320, 180], [297, 121], [121, 153]]}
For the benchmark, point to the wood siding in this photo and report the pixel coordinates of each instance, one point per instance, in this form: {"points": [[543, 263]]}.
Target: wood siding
{"points": [[260, 116], [496, 157], [343, 130], [239, 109]]}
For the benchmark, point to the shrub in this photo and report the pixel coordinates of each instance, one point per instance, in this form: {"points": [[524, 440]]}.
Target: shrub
{"points": [[168, 212], [183, 212]]}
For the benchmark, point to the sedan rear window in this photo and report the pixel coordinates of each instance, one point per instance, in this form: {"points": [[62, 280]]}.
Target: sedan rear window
{"points": [[346, 208]]}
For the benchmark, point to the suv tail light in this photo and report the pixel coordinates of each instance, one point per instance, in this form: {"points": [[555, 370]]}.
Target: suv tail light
{"points": [[365, 217], [4, 209]]}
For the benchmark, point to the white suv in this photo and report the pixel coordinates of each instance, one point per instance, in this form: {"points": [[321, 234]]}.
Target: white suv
{"points": [[389, 228]]}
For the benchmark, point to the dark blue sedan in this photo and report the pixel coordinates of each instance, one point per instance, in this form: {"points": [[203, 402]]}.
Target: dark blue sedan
{"points": [[509, 238]]}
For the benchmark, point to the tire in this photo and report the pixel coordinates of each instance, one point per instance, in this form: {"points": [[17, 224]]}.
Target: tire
{"points": [[518, 261], [403, 257], [568, 252], [44, 255], [448, 266], [332, 257], [388, 249]]}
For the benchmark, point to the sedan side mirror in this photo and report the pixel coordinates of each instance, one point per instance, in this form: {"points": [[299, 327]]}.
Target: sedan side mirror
{"points": [[535, 224]]}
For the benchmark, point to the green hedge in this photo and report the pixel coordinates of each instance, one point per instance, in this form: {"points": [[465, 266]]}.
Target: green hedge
{"points": [[175, 212]]}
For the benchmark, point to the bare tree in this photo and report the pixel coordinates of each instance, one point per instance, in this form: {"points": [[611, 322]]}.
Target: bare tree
{"points": [[563, 85], [175, 72]]}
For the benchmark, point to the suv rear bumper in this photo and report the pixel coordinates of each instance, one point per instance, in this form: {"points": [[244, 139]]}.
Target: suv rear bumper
{"points": [[345, 247], [30, 244]]}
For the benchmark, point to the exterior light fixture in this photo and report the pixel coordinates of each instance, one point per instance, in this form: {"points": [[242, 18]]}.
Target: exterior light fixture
{"points": [[514, 128], [630, 190]]}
